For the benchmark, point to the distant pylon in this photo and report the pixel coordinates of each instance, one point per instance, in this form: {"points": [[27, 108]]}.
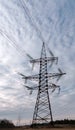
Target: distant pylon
{"points": [[42, 111]]}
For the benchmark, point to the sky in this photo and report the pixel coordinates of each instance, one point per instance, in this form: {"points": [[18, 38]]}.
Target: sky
{"points": [[24, 25]]}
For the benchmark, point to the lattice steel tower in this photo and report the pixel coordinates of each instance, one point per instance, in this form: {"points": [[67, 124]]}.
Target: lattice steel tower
{"points": [[42, 111]]}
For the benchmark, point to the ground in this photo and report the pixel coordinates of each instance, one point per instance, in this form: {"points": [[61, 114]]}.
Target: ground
{"points": [[37, 129]]}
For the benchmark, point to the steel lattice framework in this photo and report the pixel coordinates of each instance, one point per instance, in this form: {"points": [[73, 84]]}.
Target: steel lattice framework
{"points": [[42, 111]]}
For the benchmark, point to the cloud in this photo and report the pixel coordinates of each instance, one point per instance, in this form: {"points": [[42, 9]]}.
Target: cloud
{"points": [[51, 21]]}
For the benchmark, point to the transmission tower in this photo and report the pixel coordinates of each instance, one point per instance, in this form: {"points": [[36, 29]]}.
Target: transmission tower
{"points": [[42, 111]]}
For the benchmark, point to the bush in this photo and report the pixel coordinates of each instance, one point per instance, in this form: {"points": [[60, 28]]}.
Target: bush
{"points": [[6, 124]]}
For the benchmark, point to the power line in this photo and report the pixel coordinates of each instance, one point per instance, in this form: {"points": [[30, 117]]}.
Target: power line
{"points": [[33, 23], [13, 43], [31, 20]]}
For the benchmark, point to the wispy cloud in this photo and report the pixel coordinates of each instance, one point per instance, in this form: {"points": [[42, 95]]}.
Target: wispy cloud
{"points": [[52, 21]]}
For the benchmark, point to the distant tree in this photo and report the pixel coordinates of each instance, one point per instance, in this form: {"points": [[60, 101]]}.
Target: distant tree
{"points": [[6, 124], [65, 121]]}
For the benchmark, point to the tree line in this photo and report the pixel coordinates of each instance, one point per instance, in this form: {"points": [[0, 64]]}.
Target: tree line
{"points": [[65, 121]]}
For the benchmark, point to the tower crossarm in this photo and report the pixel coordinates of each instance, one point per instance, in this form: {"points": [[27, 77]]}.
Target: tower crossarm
{"points": [[52, 59], [56, 75], [53, 86], [31, 88], [35, 77], [30, 77], [46, 59], [50, 86]]}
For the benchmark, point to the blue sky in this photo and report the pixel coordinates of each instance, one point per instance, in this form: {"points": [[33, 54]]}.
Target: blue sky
{"points": [[23, 26]]}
